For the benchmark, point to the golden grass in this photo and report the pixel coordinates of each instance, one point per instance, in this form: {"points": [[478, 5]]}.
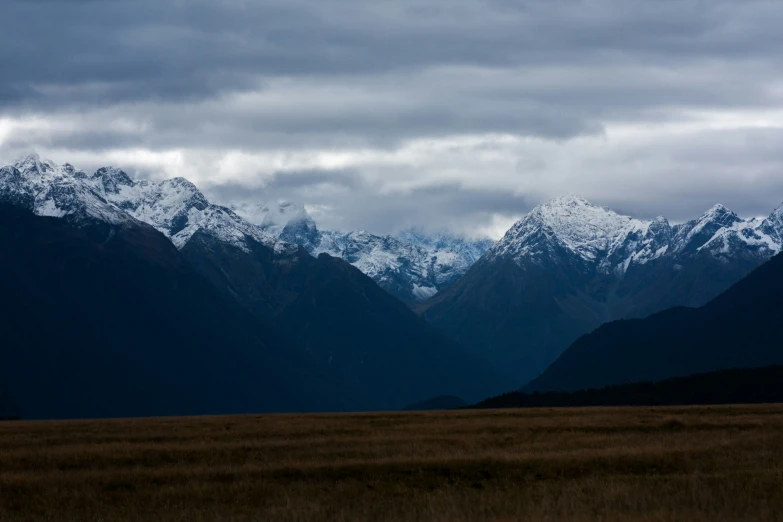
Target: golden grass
{"points": [[716, 463]]}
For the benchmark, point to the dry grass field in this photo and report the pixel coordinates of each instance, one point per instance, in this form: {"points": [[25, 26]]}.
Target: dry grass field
{"points": [[716, 463]]}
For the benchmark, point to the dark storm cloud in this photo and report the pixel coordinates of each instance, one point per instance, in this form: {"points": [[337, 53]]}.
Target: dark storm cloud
{"points": [[293, 81], [93, 52]]}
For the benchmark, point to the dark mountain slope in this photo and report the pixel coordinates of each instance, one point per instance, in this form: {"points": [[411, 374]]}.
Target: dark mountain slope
{"points": [[125, 327], [375, 341], [364, 336], [738, 329], [514, 317], [519, 318], [742, 386]]}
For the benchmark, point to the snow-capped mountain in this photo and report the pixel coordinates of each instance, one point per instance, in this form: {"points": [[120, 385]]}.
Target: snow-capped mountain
{"points": [[611, 243], [56, 190], [175, 206], [568, 266], [412, 265]]}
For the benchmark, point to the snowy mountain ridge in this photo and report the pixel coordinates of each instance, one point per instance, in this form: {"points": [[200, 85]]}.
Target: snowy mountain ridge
{"points": [[56, 191], [175, 206], [611, 243], [411, 265]]}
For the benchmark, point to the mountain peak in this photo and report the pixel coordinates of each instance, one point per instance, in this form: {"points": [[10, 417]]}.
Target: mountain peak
{"points": [[32, 162], [183, 192], [773, 225], [567, 200], [30, 156], [721, 214], [572, 205], [718, 210], [574, 209], [569, 222]]}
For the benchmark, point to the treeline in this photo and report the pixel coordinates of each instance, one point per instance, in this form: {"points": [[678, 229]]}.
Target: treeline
{"points": [[738, 386]]}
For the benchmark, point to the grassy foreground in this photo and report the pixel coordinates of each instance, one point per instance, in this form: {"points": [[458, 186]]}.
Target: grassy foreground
{"points": [[705, 463]]}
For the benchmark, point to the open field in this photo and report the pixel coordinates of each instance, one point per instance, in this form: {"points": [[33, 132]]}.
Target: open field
{"points": [[705, 463]]}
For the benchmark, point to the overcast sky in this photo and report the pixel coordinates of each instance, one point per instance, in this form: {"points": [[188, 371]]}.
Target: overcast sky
{"points": [[459, 114]]}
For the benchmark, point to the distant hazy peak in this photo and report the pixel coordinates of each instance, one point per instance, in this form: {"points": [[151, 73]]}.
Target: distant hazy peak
{"points": [[271, 215], [32, 162]]}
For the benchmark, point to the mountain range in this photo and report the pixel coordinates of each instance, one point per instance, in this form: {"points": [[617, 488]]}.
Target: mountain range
{"points": [[157, 290], [347, 329], [569, 266], [411, 265]]}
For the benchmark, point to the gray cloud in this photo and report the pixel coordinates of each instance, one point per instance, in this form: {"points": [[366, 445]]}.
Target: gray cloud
{"points": [[458, 113], [289, 183], [93, 52], [446, 205]]}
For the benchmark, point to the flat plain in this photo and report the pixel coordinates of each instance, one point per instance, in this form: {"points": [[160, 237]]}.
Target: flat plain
{"points": [[687, 463]]}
